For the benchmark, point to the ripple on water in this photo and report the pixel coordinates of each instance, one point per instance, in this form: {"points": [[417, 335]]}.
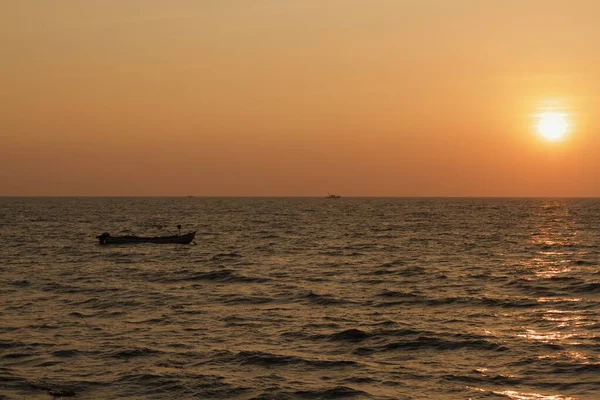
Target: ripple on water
{"points": [[302, 299]]}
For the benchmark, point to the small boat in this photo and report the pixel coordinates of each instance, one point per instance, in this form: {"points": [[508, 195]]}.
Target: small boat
{"points": [[333, 196], [106, 238]]}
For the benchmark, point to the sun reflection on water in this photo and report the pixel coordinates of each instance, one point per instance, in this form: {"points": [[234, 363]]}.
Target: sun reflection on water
{"points": [[572, 355], [566, 326], [555, 240], [514, 395], [556, 248], [558, 300], [532, 396], [547, 337]]}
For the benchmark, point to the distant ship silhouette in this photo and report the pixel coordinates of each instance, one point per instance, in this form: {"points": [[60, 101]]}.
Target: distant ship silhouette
{"points": [[333, 196]]}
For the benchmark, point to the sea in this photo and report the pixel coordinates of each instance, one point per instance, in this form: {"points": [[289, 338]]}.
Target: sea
{"points": [[301, 298]]}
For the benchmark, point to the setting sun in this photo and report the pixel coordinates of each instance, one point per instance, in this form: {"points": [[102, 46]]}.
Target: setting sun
{"points": [[552, 126]]}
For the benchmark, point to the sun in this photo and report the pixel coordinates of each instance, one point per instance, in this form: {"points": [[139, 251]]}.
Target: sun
{"points": [[552, 126]]}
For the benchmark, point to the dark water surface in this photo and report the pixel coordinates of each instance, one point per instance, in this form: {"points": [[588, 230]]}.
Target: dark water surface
{"points": [[301, 299]]}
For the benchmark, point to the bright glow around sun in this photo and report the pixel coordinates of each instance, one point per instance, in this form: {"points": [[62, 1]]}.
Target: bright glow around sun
{"points": [[552, 126]]}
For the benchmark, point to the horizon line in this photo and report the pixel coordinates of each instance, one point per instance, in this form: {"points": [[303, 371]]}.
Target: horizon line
{"points": [[299, 197]]}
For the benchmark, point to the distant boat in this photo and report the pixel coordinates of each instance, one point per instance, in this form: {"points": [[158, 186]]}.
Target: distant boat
{"points": [[106, 238], [333, 196]]}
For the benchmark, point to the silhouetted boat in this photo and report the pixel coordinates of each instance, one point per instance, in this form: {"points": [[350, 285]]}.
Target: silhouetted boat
{"points": [[333, 196], [106, 238]]}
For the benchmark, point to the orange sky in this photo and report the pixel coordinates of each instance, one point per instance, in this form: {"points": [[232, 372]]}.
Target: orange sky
{"points": [[298, 98]]}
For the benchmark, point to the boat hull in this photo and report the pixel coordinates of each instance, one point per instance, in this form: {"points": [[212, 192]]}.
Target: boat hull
{"points": [[177, 239]]}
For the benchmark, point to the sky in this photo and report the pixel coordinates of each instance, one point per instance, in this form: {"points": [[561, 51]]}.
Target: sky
{"points": [[298, 98]]}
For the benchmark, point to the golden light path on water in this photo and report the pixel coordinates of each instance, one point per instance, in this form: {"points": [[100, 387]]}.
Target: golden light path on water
{"points": [[558, 247], [531, 396], [514, 395], [556, 239]]}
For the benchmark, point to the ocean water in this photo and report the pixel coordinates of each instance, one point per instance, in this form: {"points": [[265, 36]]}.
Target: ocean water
{"points": [[301, 298]]}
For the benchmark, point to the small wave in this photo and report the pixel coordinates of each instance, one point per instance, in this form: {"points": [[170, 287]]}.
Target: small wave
{"points": [[152, 321], [484, 379], [351, 335], [509, 302], [425, 342], [15, 355], [404, 298], [361, 380], [380, 272], [65, 353], [217, 276], [337, 392], [247, 300], [266, 359], [60, 288], [593, 287], [53, 389], [364, 351], [331, 253], [132, 353], [562, 278], [45, 364], [180, 385], [412, 271], [79, 315], [394, 294], [354, 254], [270, 359], [103, 304], [399, 332], [323, 299], [587, 369], [22, 283], [43, 326], [11, 344], [148, 379], [226, 256]]}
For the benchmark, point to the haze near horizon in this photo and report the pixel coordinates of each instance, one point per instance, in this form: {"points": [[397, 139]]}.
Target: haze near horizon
{"points": [[288, 98]]}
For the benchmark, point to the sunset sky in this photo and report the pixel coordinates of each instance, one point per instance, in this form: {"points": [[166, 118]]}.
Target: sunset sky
{"points": [[299, 97]]}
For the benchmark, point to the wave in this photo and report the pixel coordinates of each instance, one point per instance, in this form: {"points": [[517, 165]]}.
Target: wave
{"points": [[103, 304], [351, 335], [223, 275], [409, 298], [426, 342], [53, 389], [133, 353], [398, 295], [11, 356], [583, 287], [483, 379], [152, 321], [412, 271], [12, 344], [266, 359], [177, 385], [244, 299], [66, 353], [20, 283], [323, 299], [226, 256], [337, 392]]}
